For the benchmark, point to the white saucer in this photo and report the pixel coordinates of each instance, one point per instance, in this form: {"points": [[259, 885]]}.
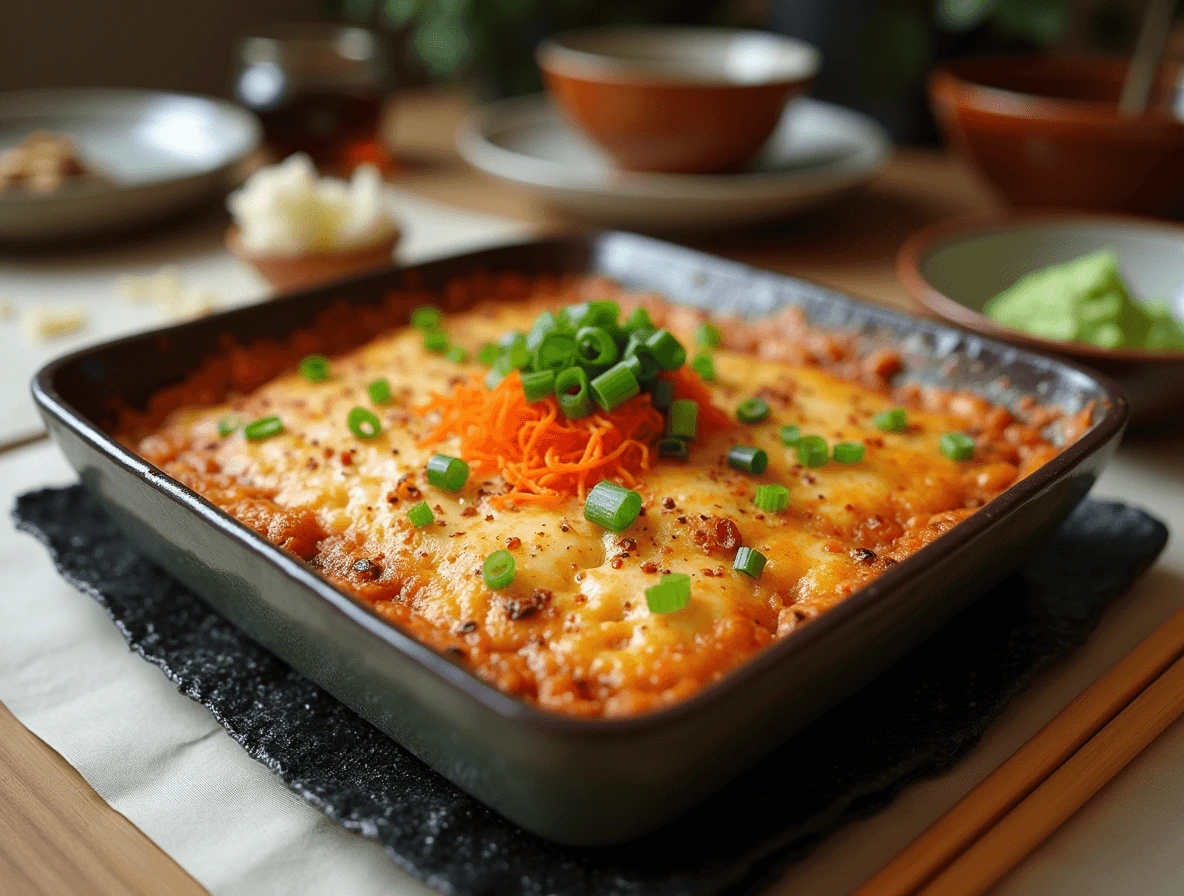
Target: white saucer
{"points": [[817, 152], [157, 153]]}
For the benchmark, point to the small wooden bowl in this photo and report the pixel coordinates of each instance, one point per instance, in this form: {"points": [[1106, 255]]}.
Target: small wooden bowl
{"points": [[952, 268], [1045, 131], [676, 99], [289, 273]]}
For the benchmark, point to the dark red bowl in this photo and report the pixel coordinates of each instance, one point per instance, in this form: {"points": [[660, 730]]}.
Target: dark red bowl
{"points": [[1046, 131]]}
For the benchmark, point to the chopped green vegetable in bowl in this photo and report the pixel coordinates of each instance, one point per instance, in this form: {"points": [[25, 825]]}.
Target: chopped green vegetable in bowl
{"points": [[1086, 300]]}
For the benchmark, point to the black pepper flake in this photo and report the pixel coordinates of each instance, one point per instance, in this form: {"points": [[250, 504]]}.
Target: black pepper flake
{"points": [[863, 555]]}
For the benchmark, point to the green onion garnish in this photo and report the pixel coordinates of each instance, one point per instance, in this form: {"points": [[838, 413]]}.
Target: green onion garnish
{"points": [[683, 420], [498, 569], [647, 366], [420, 515], [263, 428], [435, 341], [704, 366], [457, 355], [538, 385], [494, 378], [895, 420], [790, 435], [956, 446], [314, 368], [748, 459], [448, 473], [675, 448], [590, 314], [488, 354], [595, 347], [668, 350], [514, 352], [749, 562], [545, 323], [615, 386], [572, 390], [229, 425], [556, 351], [771, 498], [363, 424], [708, 336], [426, 317], [662, 395], [638, 319], [752, 410], [379, 391], [813, 451], [670, 595], [848, 452], [612, 506]]}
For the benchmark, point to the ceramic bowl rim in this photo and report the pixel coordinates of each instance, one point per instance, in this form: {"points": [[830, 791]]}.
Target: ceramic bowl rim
{"points": [[911, 257]]}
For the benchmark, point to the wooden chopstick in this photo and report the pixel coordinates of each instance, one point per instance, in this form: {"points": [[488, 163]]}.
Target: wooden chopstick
{"points": [[948, 837]]}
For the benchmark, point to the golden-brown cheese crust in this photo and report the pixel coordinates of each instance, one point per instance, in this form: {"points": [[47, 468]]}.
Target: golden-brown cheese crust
{"points": [[573, 633]]}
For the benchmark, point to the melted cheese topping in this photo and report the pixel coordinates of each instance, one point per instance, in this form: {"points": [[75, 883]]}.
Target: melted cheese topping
{"points": [[573, 633]]}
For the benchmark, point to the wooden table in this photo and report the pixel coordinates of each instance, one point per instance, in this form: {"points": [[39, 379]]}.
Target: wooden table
{"points": [[58, 836]]}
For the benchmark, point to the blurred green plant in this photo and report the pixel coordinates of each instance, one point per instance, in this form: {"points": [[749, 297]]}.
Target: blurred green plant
{"points": [[1040, 22]]}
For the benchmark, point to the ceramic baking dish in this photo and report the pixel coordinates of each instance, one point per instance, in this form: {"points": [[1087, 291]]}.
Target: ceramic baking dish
{"points": [[576, 781]]}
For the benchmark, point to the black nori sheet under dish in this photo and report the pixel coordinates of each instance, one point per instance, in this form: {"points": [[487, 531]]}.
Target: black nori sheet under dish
{"points": [[917, 718]]}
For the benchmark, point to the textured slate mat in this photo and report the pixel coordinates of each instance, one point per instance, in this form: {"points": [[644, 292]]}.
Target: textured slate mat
{"points": [[916, 719]]}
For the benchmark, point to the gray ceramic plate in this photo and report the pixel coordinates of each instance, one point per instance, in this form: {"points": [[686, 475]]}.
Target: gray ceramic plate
{"points": [[158, 153], [818, 152], [584, 781]]}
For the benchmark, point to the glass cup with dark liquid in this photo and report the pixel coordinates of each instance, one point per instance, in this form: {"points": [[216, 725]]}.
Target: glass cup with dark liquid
{"points": [[318, 89]]}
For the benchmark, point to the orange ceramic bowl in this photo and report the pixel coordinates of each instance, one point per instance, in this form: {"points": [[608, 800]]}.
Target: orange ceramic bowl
{"points": [[1046, 131], [676, 99], [288, 273]]}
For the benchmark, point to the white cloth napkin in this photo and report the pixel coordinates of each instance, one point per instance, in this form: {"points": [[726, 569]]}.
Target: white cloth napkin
{"points": [[163, 762]]}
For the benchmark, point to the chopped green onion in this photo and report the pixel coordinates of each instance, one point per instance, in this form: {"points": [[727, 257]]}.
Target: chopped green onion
{"points": [[771, 498], [848, 452], [705, 367], [790, 435], [363, 424], [676, 448], [752, 410], [612, 506], [229, 425], [426, 317], [670, 595], [514, 351], [435, 341], [638, 319], [263, 428], [615, 386], [647, 364], [448, 473], [895, 420], [749, 562], [591, 314], [813, 451], [662, 395], [314, 368], [748, 459], [538, 385], [595, 347], [668, 350], [379, 391], [683, 420], [543, 324], [643, 367], [457, 355], [708, 336], [488, 354], [572, 390], [557, 351], [420, 515], [956, 446], [498, 569], [494, 378]]}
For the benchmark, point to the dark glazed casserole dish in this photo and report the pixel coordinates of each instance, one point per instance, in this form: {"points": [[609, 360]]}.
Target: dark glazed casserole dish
{"points": [[485, 680]]}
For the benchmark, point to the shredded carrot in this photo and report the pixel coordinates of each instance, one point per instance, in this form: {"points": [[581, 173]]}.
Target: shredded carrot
{"points": [[545, 457]]}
